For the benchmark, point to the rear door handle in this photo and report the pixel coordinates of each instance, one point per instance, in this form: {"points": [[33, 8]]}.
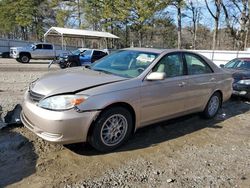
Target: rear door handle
{"points": [[212, 79], [182, 84]]}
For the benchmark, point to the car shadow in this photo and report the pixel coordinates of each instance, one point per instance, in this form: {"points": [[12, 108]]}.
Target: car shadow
{"points": [[17, 156], [171, 129]]}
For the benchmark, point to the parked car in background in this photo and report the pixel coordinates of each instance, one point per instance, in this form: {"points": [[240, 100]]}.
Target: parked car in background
{"points": [[104, 103], [5, 54], [71, 59], [36, 51], [82, 56], [240, 69]]}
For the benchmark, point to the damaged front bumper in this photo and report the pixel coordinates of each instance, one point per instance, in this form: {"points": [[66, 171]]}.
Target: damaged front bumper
{"points": [[62, 127]]}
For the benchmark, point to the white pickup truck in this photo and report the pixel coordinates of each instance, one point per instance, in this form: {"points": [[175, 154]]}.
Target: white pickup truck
{"points": [[36, 51]]}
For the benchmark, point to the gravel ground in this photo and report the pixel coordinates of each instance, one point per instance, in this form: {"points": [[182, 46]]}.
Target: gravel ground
{"points": [[185, 152]]}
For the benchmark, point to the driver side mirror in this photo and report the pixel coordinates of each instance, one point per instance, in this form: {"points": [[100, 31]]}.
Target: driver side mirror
{"points": [[222, 66], [156, 76]]}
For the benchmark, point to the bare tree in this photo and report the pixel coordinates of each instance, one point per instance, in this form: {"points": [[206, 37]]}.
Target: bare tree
{"points": [[244, 23], [195, 16], [230, 21], [216, 17], [239, 17], [79, 13], [179, 4], [247, 26], [179, 24]]}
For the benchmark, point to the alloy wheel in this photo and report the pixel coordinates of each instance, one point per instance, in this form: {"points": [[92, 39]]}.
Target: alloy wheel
{"points": [[114, 129]]}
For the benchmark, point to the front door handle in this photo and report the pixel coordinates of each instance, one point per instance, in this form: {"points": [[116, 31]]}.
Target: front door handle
{"points": [[182, 84]]}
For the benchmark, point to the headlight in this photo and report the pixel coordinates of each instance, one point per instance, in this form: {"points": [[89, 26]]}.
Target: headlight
{"points": [[245, 82], [62, 102]]}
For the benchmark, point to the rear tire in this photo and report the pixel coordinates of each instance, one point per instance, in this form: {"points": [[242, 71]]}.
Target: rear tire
{"points": [[111, 129], [213, 106], [25, 59]]}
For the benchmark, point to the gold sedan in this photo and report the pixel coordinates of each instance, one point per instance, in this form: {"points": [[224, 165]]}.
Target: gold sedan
{"points": [[108, 101]]}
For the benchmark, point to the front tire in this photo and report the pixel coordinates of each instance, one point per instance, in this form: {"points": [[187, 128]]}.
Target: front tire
{"points": [[72, 64], [213, 106], [111, 129], [62, 65]]}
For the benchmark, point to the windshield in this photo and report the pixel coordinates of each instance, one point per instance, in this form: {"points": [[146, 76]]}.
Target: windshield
{"points": [[238, 64], [125, 63], [31, 46], [76, 52]]}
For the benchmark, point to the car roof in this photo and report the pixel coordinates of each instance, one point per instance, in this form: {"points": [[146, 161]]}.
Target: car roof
{"points": [[83, 48], [244, 58], [152, 50], [94, 49], [42, 43], [158, 51]]}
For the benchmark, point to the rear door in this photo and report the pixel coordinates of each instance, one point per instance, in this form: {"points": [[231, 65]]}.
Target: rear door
{"points": [[202, 81], [165, 98], [43, 51], [48, 51]]}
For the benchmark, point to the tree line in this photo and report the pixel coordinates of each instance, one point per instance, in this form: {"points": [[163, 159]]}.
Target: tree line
{"points": [[143, 23]]}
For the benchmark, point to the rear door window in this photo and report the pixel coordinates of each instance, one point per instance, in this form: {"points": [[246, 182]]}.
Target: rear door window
{"points": [[196, 65], [102, 53], [96, 53], [47, 47]]}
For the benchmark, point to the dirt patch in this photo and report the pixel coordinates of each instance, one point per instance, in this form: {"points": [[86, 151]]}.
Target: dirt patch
{"points": [[17, 157], [185, 152]]}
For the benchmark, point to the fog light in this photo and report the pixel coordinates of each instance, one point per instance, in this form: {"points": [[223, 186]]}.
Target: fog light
{"points": [[243, 92], [51, 135]]}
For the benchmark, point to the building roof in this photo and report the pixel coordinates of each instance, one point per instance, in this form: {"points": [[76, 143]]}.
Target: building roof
{"points": [[78, 33]]}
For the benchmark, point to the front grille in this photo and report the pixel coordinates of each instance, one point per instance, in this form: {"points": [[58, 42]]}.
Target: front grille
{"points": [[36, 97]]}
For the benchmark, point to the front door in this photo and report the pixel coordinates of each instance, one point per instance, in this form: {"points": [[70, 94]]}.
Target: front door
{"points": [[164, 98]]}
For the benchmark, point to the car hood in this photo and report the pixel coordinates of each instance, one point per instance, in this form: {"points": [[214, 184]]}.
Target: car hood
{"points": [[239, 74], [20, 48], [72, 80]]}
